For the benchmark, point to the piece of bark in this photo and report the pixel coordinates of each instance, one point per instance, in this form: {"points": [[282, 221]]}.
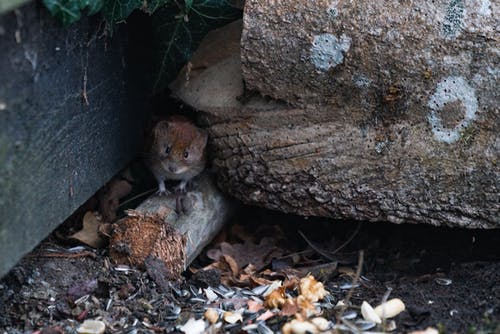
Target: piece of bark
{"points": [[155, 231], [305, 162], [212, 78]]}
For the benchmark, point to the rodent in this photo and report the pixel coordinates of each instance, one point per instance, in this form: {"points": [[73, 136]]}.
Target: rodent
{"points": [[178, 151]]}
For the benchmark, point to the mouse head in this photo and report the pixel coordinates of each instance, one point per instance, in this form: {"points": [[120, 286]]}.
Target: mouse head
{"points": [[179, 144]]}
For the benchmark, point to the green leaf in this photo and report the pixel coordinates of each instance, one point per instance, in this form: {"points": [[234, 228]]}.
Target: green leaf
{"points": [[188, 4], [178, 31], [118, 10], [151, 6], [70, 11], [93, 6], [66, 11]]}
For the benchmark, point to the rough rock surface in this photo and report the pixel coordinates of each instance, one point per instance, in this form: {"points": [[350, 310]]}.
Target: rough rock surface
{"points": [[390, 113]]}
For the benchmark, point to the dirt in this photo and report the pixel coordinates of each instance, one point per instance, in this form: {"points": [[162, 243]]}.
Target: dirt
{"points": [[448, 279]]}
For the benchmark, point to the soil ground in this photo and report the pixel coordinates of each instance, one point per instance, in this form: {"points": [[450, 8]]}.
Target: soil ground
{"points": [[448, 278]]}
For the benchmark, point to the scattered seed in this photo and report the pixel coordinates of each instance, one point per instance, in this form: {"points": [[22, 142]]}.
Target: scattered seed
{"points": [[299, 327], [251, 327], [248, 293], [197, 300], [263, 329], [194, 292], [350, 315], [227, 306], [443, 281], [340, 304], [172, 312], [364, 325], [92, 327], [369, 313], [348, 286], [82, 300], [123, 268], [193, 326], [77, 249], [178, 292], [321, 323], [428, 330], [108, 304], [390, 308], [390, 326], [232, 317], [210, 294]]}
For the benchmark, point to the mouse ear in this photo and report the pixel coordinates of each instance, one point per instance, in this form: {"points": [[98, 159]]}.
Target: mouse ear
{"points": [[204, 136], [160, 128]]}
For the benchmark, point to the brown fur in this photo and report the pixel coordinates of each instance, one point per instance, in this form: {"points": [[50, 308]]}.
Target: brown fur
{"points": [[182, 137]]}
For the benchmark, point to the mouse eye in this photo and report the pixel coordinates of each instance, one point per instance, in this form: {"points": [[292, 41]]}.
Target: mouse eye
{"points": [[167, 150], [186, 154]]}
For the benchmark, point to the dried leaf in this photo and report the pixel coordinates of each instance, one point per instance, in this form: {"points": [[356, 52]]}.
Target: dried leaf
{"points": [[289, 308], [260, 255], [232, 264], [211, 315], [307, 309], [266, 315], [109, 198], [89, 234], [260, 280], [276, 298], [232, 317], [254, 306], [312, 289], [291, 283]]}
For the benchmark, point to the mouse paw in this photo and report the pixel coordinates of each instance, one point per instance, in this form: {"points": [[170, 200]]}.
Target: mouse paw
{"points": [[181, 188], [162, 191]]}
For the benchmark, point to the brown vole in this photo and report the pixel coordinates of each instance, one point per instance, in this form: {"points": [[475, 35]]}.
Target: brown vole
{"points": [[177, 151]]}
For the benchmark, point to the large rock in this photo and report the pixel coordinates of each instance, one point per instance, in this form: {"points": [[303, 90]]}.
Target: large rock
{"points": [[390, 111]]}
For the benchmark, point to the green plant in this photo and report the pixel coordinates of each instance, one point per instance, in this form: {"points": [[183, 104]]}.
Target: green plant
{"points": [[178, 26]]}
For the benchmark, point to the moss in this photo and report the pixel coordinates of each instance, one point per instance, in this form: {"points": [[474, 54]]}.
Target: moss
{"points": [[468, 135]]}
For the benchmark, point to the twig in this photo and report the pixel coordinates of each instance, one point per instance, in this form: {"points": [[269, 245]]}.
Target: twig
{"points": [[65, 255], [384, 299], [147, 192], [348, 240], [305, 251], [354, 282], [317, 249], [329, 255], [84, 90]]}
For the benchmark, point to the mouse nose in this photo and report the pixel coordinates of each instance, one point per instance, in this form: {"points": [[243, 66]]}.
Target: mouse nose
{"points": [[172, 168]]}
